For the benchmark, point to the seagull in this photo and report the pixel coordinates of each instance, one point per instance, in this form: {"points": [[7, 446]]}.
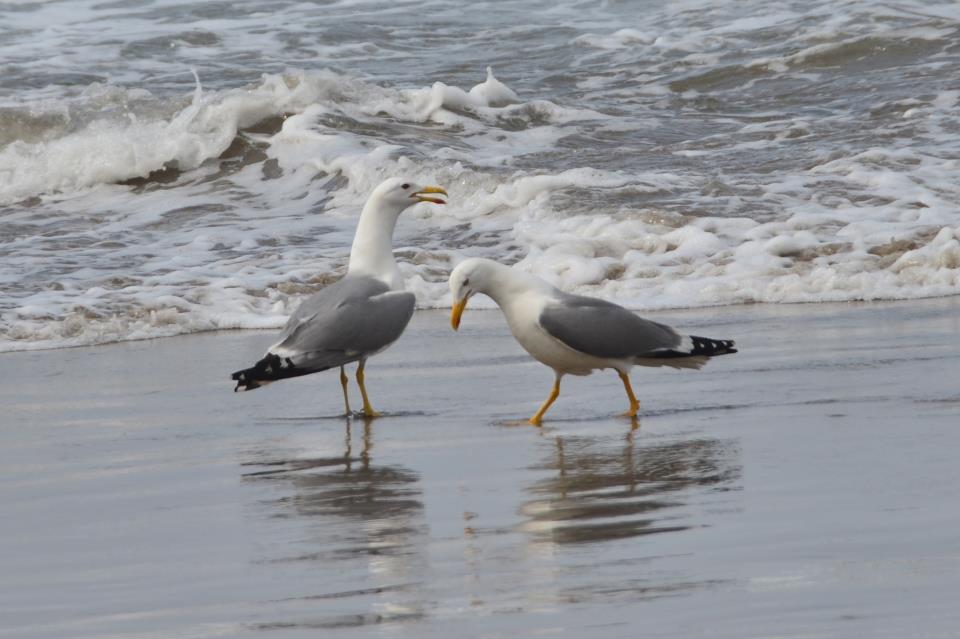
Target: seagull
{"points": [[359, 315], [574, 334]]}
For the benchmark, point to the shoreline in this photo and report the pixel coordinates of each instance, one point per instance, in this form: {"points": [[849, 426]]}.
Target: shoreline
{"points": [[36, 346]]}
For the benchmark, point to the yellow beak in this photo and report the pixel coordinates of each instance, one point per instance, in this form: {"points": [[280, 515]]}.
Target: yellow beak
{"points": [[457, 312], [430, 189]]}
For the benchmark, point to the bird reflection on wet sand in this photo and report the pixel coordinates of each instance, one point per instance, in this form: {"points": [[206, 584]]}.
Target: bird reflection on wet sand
{"points": [[610, 492], [364, 523], [601, 491], [355, 541]]}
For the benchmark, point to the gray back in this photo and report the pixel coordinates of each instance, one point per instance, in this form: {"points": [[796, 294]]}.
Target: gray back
{"points": [[346, 321], [603, 329]]}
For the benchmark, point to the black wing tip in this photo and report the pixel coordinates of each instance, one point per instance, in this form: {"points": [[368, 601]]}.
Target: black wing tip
{"points": [[271, 368], [702, 347], [712, 347], [244, 380]]}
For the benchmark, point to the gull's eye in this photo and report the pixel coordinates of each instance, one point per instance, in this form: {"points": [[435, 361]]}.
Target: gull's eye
{"points": [[405, 187], [466, 281]]}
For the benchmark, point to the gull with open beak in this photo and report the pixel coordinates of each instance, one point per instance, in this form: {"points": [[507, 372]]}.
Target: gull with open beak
{"points": [[356, 317], [576, 334]]}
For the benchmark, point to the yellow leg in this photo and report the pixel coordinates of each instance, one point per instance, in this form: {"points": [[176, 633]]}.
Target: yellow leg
{"points": [[346, 396], [367, 408], [634, 403], [537, 419]]}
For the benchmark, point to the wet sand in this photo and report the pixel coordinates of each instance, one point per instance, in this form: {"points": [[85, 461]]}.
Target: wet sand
{"points": [[805, 487]]}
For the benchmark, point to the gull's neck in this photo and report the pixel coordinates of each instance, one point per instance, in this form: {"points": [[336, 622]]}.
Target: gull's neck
{"points": [[372, 251], [506, 286]]}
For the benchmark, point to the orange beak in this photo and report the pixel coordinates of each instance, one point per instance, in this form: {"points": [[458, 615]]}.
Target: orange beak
{"points": [[430, 189], [457, 312]]}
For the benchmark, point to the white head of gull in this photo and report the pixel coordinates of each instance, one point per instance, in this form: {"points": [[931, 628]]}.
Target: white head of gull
{"points": [[356, 317], [576, 334], [372, 251]]}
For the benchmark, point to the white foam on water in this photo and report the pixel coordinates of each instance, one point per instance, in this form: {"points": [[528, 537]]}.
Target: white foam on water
{"points": [[670, 174], [120, 148], [212, 271]]}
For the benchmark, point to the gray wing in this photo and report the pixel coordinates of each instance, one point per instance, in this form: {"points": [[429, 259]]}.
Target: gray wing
{"points": [[603, 329], [346, 321]]}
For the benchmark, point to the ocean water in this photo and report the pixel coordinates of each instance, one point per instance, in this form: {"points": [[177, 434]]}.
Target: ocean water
{"points": [[173, 167]]}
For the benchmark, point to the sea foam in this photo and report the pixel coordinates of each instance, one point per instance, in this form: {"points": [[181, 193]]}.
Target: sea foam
{"points": [[223, 208]]}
